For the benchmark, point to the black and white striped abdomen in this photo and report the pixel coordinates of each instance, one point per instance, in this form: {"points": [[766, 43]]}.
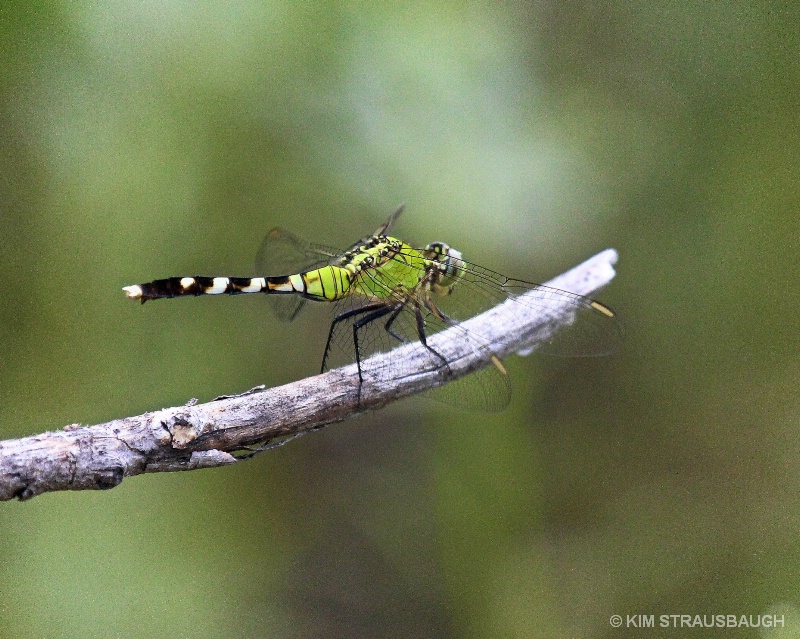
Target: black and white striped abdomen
{"points": [[326, 284], [200, 285]]}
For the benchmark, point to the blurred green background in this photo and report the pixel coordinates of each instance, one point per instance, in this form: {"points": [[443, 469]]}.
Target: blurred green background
{"points": [[144, 140]]}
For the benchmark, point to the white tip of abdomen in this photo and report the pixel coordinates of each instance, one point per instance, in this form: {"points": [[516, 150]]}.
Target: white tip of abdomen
{"points": [[133, 292]]}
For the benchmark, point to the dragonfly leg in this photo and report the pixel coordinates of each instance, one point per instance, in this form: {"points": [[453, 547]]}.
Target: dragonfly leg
{"points": [[340, 318], [377, 313], [420, 323], [433, 308], [388, 326], [370, 313], [423, 337]]}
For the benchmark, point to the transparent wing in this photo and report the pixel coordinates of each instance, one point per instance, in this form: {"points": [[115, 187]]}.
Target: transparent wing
{"points": [[590, 329], [283, 253]]}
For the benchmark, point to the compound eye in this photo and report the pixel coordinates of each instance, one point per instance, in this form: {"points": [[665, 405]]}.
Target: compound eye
{"points": [[440, 248]]}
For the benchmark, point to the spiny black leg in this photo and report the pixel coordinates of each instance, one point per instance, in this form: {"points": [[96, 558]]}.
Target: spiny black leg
{"points": [[376, 313], [420, 323], [433, 308], [358, 325], [341, 317], [388, 325], [423, 337]]}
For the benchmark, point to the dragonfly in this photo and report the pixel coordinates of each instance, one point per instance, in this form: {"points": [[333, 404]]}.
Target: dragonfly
{"points": [[384, 292]]}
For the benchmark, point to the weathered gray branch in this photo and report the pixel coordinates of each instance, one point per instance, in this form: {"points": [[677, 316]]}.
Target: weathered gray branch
{"points": [[205, 435]]}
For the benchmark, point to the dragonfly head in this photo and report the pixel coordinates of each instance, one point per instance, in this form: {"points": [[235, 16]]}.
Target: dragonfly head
{"points": [[449, 262]]}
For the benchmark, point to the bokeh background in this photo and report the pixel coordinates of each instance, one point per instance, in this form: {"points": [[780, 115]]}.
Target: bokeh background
{"points": [[150, 139]]}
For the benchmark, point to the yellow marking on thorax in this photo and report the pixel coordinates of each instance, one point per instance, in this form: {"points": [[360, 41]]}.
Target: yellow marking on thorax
{"points": [[313, 283], [328, 283]]}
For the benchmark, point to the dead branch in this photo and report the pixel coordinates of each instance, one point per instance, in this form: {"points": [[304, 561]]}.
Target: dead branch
{"points": [[206, 435]]}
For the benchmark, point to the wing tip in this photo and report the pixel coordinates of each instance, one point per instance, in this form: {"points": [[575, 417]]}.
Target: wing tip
{"points": [[602, 308]]}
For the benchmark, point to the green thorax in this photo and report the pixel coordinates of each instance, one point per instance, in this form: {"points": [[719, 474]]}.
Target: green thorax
{"points": [[382, 267]]}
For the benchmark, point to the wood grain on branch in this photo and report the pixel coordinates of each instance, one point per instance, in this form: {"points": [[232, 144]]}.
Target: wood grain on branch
{"points": [[206, 435]]}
